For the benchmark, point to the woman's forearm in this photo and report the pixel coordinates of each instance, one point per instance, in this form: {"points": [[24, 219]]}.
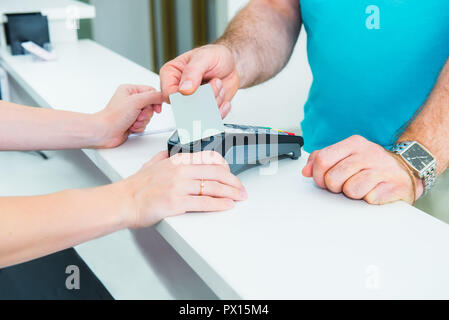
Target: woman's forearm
{"points": [[28, 128], [31, 227]]}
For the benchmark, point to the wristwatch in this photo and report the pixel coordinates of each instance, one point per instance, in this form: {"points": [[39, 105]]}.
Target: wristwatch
{"points": [[420, 160]]}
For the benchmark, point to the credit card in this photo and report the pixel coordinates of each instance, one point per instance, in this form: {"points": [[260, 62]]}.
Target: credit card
{"points": [[197, 116]]}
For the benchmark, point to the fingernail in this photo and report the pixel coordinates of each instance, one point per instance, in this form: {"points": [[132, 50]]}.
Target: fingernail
{"points": [[226, 107], [243, 194], [186, 85], [222, 93], [219, 84], [230, 203]]}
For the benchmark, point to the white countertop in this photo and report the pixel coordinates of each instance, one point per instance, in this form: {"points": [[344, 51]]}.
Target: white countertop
{"points": [[290, 239]]}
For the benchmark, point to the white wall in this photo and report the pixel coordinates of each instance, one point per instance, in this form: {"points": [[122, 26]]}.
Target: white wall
{"points": [[278, 103], [124, 28]]}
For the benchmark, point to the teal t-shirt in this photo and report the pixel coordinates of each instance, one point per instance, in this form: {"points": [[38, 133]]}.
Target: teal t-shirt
{"points": [[374, 63]]}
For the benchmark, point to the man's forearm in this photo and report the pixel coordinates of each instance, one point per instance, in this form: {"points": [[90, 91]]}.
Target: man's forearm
{"points": [[31, 227], [262, 37], [431, 126], [28, 128]]}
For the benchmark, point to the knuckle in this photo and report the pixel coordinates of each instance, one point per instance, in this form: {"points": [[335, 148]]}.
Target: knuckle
{"points": [[191, 69], [177, 169], [172, 199], [350, 189], [217, 157], [166, 66], [331, 182], [163, 68], [357, 139], [321, 159], [185, 158], [125, 86]]}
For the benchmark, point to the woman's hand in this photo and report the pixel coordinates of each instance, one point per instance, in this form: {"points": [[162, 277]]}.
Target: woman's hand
{"points": [[167, 187], [129, 111]]}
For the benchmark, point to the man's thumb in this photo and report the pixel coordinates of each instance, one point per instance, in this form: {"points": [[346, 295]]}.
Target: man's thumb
{"points": [[193, 74]]}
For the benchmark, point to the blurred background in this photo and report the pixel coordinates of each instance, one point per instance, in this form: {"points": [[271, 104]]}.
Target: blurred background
{"points": [[152, 32]]}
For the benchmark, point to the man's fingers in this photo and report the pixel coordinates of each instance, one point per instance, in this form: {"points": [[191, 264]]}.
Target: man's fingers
{"points": [[215, 189], [205, 204], [383, 193], [307, 171], [362, 183], [192, 75], [219, 91], [217, 86], [170, 75], [225, 109], [330, 156], [220, 97], [336, 176]]}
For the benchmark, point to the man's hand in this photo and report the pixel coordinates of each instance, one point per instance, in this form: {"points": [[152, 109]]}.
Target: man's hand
{"points": [[129, 111], [362, 170], [212, 64]]}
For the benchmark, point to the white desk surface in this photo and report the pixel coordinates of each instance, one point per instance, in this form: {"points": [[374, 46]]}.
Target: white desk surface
{"points": [[288, 240]]}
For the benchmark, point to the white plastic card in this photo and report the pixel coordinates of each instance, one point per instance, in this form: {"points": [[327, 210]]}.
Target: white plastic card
{"points": [[196, 116]]}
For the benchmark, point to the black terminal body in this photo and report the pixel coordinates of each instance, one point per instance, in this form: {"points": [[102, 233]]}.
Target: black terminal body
{"points": [[244, 147]]}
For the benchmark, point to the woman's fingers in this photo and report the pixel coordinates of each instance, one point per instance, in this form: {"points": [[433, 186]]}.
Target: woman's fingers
{"points": [[206, 165], [159, 157], [205, 203], [199, 158], [216, 173], [143, 88], [157, 108], [215, 189], [146, 114]]}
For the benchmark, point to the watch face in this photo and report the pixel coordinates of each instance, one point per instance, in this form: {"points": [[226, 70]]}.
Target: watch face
{"points": [[417, 157]]}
